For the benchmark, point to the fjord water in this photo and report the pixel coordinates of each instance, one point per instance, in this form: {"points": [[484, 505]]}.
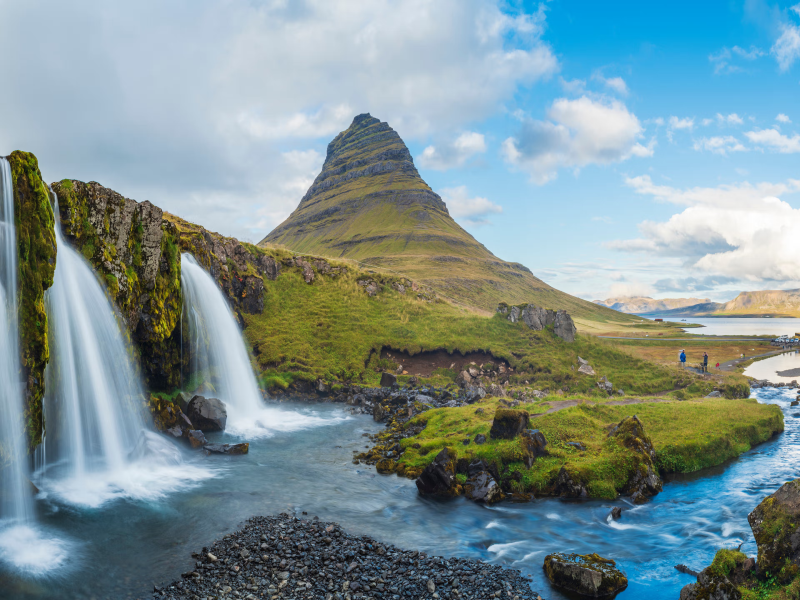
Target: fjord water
{"points": [[124, 548], [15, 495], [97, 446], [219, 359]]}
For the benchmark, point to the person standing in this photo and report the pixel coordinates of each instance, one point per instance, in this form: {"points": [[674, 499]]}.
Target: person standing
{"points": [[705, 362], [683, 358]]}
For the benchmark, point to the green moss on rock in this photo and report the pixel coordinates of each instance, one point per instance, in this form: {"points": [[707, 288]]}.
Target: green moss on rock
{"points": [[587, 574], [36, 246]]}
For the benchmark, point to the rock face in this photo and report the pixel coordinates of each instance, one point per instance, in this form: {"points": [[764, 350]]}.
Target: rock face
{"points": [[775, 527], [644, 482], [534, 445], [439, 477], [508, 423], [568, 486], [207, 414], [710, 587], [481, 487], [588, 575], [537, 318], [388, 379], [36, 251], [135, 252]]}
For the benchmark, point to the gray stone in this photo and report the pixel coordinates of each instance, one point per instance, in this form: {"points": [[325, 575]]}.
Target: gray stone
{"points": [[207, 414]]}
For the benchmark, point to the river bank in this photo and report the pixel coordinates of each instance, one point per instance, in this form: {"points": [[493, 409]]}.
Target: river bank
{"points": [[287, 557]]}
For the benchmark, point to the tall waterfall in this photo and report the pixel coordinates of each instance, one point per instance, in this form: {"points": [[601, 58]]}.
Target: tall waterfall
{"points": [[15, 494], [97, 446], [219, 357]]}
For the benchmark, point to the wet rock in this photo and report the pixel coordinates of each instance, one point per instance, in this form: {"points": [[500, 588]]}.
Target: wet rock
{"points": [[196, 438], [242, 448], [482, 487], [438, 478], [386, 466], [207, 414], [508, 423], [590, 575], [615, 513], [710, 587], [775, 527], [182, 399], [388, 379], [322, 388], [568, 486], [534, 445]]}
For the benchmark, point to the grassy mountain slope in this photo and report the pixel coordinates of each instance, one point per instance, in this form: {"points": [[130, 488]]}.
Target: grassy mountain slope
{"points": [[369, 204]]}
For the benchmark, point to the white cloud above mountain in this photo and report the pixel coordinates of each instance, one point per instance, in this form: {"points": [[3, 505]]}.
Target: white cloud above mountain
{"points": [[740, 230], [576, 133], [453, 154]]}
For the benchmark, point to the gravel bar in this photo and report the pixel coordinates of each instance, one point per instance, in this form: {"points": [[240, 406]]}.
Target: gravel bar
{"points": [[286, 557]]}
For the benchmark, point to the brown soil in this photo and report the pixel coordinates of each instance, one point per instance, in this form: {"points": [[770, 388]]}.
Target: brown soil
{"points": [[425, 363]]}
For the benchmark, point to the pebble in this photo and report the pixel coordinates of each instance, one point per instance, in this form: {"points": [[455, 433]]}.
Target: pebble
{"points": [[309, 559]]}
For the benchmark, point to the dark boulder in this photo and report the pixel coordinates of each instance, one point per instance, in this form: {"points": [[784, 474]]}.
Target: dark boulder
{"points": [[388, 379], [589, 575], [322, 388], [710, 586], [439, 477], [534, 445], [644, 481], [508, 423], [480, 439], [242, 448], [207, 414], [616, 513], [568, 486], [482, 487], [196, 438]]}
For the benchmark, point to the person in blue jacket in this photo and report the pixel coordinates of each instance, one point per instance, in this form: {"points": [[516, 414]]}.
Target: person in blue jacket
{"points": [[683, 358]]}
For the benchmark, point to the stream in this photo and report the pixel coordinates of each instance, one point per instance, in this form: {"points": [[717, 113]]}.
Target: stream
{"points": [[120, 545]]}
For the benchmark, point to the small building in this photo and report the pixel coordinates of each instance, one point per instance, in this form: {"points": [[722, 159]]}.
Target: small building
{"points": [[659, 320]]}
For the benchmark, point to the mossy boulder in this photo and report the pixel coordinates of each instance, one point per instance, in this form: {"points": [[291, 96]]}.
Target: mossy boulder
{"points": [[710, 586], [589, 575], [643, 481], [36, 250], [439, 477], [508, 423], [775, 527]]}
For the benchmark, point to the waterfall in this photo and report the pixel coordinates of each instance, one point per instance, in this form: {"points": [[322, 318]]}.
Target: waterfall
{"points": [[219, 358], [16, 503], [98, 447]]}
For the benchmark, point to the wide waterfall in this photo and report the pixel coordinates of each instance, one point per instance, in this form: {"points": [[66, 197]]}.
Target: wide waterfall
{"points": [[220, 361], [97, 445], [15, 494]]}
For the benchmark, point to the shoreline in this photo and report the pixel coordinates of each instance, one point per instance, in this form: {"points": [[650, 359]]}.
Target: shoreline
{"points": [[287, 557]]}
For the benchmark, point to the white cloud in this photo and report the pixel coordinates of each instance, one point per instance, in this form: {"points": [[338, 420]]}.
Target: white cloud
{"points": [[786, 48], [719, 144], [685, 123], [707, 122], [731, 119], [576, 133], [471, 212], [615, 84], [455, 154], [575, 87], [723, 60], [197, 99], [775, 140], [740, 231], [782, 118]]}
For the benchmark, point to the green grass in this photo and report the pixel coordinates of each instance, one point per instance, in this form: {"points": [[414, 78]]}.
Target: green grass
{"points": [[687, 436]]}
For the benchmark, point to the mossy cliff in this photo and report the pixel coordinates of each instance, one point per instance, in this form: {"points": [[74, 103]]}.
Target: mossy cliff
{"points": [[135, 252], [36, 248]]}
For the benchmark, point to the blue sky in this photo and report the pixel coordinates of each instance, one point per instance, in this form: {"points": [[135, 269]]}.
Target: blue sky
{"points": [[614, 148]]}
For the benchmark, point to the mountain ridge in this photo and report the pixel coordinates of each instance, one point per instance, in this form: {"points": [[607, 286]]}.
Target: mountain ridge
{"points": [[370, 204], [774, 303]]}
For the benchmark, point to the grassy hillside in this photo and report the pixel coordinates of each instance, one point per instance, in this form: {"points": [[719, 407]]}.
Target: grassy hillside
{"points": [[369, 204]]}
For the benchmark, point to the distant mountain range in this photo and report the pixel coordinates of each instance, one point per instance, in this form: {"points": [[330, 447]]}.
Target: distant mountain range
{"points": [[774, 303]]}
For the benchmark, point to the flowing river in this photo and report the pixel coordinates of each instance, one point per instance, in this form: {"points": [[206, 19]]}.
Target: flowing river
{"points": [[121, 547]]}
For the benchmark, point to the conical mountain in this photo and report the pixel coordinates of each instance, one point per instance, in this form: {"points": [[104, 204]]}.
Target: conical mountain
{"points": [[370, 204]]}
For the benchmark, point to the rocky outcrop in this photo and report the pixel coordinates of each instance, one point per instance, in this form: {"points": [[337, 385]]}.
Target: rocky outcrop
{"points": [[135, 252], [568, 485], [538, 318], [589, 575], [481, 485], [534, 445], [439, 477], [232, 449], [644, 481], [508, 423], [710, 586], [207, 414], [36, 251]]}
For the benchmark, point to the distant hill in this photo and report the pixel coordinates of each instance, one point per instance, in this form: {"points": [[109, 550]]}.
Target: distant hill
{"points": [[644, 304], [370, 204], [774, 303]]}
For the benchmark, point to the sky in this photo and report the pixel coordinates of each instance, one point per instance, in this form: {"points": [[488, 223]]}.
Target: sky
{"points": [[626, 148]]}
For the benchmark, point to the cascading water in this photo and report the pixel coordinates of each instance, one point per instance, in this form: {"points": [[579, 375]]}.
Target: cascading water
{"points": [[15, 495], [22, 544], [219, 359], [98, 447]]}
